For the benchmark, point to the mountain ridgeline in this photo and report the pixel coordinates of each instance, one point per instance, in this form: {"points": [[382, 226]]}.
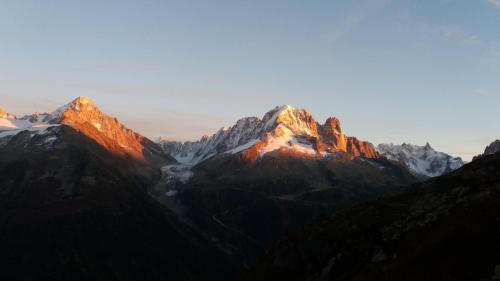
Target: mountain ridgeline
{"points": [[281, 197], [283, 128], [74, 204]]}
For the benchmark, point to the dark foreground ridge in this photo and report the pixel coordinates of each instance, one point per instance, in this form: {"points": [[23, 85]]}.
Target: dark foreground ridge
{"points": [[444, 229], [72, 210]]}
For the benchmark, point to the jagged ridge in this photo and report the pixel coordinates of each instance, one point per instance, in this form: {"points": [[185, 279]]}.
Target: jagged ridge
{"points": [[422, 161], [282, 129], [84, 116], [492, 148]]}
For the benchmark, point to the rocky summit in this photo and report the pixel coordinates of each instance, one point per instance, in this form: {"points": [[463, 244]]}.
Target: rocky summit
{"points": [[492, 148], [83, 115], [283, 129]]}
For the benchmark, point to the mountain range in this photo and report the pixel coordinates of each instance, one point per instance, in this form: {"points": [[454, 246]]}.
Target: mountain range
{"points": [[288, 129], [83, 197], [251, 182]]}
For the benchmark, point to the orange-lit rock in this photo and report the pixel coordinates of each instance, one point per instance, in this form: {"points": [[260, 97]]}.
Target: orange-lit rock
{"points": [[332, 135], [3, 113], [324, 139], [299, 121], [283, 129], [357, 147], [83, 115]]}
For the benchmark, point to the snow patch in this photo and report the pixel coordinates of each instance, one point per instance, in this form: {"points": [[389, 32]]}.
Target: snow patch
{"points": [[171, 193], [289, 141], [243, 147], [12, 126], [97, 125]]}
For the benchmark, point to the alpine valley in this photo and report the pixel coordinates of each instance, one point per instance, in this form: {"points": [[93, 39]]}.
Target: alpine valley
{"points": [[281, 197]]}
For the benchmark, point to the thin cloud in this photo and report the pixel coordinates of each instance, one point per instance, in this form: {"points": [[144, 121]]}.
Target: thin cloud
{"points": [[459, 35], [355, 18], [490, 57], [483, 93], [495, 3], [126, 67]]}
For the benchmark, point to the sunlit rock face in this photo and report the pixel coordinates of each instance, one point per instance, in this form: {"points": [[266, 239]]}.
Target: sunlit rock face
{"points": [[358, 148], [5, 114], [298, 121], [84, 116], [332, 134], [283, 129]]}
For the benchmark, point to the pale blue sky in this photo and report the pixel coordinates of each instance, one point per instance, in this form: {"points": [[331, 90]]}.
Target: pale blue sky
{"points": [[392, 71]]}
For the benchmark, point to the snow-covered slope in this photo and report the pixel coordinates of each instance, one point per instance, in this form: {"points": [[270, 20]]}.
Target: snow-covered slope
{"points": [[422, 161], [11, 125], [283, 128], [37, 123]]}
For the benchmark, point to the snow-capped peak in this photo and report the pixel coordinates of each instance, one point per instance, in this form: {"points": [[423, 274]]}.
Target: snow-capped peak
{"points": [[299, 121], [11, 125], [84, 116], [422, 161], [81, 103], [282, 128]]}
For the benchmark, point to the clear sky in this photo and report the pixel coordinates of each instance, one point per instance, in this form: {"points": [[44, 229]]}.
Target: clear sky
{"points": [[392, 71]]}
